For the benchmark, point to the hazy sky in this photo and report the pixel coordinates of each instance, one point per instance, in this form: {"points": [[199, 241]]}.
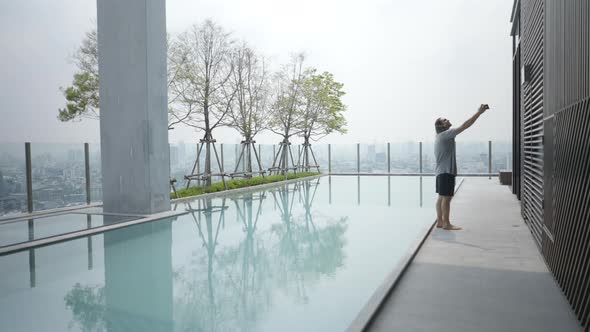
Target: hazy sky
{"points": [[403, 63]]}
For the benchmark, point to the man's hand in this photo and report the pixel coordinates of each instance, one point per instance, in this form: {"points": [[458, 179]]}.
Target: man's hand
{"points": [[483, 108], [471, 121]]}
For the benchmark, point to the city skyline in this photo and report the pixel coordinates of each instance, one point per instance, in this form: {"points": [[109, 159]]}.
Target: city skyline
{"points": [[59, 179]]}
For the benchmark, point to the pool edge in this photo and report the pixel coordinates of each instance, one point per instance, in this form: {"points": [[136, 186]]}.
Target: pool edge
{"points": [[10, 249], [369, 311]]}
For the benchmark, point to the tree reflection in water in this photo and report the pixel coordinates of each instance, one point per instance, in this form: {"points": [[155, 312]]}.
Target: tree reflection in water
{"points": [[306, 251], [230, 287], [88, 307]]}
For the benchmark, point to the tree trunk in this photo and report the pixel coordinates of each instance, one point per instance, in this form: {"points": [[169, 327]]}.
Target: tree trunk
{"points": [[306, 148], [249, 160], [285, 157], [208, 137]]}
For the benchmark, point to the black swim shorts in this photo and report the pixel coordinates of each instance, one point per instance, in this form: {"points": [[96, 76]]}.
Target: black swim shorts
{"points": [[445, 184]]}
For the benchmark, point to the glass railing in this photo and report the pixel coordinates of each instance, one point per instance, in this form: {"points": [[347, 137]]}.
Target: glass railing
{"points": [[63, 175]]}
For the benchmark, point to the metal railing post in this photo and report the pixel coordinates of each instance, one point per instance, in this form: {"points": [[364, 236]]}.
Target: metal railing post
{"points": [[29, 177], [87, 171], [490, 160], [358, 158], [329, 158], [388, 157], [420, 157]]}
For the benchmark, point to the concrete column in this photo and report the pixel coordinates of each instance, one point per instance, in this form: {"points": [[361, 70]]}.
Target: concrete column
{"points": [[133, 105]]}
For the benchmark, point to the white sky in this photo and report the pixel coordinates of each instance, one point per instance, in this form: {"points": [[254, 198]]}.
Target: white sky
{"points": [[403, 63]]}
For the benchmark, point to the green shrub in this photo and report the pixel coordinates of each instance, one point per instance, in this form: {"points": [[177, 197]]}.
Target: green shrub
{"points": [[238, 183]]}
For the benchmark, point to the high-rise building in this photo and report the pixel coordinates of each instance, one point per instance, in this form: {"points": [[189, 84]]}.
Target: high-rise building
{"points": [[371, 153]]}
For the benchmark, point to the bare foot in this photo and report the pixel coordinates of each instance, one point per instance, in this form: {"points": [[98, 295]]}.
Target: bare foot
{"points": [[451, 227], [440, 224]]}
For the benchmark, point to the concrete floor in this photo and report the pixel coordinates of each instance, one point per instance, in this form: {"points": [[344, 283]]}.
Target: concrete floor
{"points": [[490, 276]]}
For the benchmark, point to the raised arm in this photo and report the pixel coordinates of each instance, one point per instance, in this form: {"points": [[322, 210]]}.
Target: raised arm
{"points": [[472, 119]]}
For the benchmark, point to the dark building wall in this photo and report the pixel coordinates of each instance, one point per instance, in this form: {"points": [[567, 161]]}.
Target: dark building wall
{"points": [[567, 127], [531, 115], [563, 69]]}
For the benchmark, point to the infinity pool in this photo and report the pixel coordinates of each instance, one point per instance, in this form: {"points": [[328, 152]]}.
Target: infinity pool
{"points": [[300, 257]]}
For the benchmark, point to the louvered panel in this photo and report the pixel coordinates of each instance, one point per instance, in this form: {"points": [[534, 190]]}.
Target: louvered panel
{"points": [[532, 43], [568, 256], [567, 150]]}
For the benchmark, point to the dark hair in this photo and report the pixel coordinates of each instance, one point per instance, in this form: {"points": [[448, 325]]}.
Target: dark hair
{"points": [[439, 126]]}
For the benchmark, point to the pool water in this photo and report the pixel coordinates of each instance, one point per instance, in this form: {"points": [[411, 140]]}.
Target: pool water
{"points": [[24, 230], [300, 257]]}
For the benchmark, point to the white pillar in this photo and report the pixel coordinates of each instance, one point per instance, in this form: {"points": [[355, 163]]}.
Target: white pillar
{"points": [[133, 105]]}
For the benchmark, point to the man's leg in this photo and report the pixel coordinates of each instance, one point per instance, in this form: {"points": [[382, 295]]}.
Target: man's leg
{"points": [[439, 214], [446, 211]]}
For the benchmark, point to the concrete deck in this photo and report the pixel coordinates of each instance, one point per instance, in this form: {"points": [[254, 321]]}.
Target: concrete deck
{"points": [[490, 276]]}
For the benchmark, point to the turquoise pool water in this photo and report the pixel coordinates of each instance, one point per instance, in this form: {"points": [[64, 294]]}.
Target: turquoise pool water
{"points": [[302, 257]]}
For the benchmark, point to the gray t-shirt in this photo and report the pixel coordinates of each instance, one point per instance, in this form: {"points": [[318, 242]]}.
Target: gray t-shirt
{"points": [[444, 152]]}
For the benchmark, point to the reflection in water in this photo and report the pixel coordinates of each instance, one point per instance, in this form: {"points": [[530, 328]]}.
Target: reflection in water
{"points": [[88, 306], [230, 282], [138, 277], [244, 277], [89, 241], [330, 190], [358, 189], [389, 191], [137, 291], [32, 274], [420, 191]]}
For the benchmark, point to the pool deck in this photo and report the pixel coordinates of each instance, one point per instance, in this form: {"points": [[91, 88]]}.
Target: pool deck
{"points": [[490, 276]]}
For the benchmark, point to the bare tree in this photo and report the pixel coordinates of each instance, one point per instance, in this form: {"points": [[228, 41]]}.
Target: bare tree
{"points": [[178, 111], [286, 110], [250, 107], [322, 113], [204, 82]]}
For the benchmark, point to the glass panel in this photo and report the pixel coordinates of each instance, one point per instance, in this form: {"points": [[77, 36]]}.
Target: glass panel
{"points": [[13, 183], [321, 154], [231, 154], [344, 158], [501, 156], [428, 159], [267, 153], [95, 172], [472, 157], [373, 158], [58, 175], [405, 157]]}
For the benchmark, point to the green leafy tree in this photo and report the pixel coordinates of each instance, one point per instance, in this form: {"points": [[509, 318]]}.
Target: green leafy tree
{"points": [[323, 109], [82, 97]]}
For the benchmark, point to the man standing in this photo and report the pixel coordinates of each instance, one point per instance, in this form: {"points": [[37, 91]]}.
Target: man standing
{"points": [[446, 165]]}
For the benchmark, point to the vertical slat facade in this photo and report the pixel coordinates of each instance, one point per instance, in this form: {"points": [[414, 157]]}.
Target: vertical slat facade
{"points": [[532, 42], [567, 116], [564, 149]]}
